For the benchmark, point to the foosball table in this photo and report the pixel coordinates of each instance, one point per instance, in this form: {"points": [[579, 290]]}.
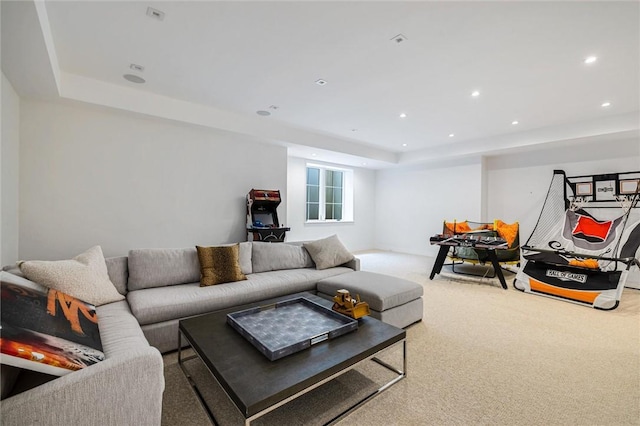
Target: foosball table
{"points": [[477, 242]]}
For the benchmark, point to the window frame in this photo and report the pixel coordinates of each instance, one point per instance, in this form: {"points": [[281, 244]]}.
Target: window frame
{"points": [[346, 192]]}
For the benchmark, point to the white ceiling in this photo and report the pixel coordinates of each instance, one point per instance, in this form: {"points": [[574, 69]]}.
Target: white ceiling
{"points": [[216, 63]]}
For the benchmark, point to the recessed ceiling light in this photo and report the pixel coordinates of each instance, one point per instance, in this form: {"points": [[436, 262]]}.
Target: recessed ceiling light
{"points": [[399, 38], [606, 104], [514, 122], [475, 93], [590, 59], [451, 135], [321, 82], [134, 78], [263, 113], [364, 164], [404, 144], [403, 115], [313, 154]]}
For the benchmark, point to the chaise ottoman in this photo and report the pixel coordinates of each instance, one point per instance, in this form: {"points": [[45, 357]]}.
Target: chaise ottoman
{"points": [[395, 301]]}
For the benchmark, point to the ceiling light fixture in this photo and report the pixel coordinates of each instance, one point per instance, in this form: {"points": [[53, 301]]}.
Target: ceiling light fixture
{"points": [[399, 38], [134, 78], [606, 104], [514, 122], [451, 135], [136, 67], [475, 93], [313, 154], [263, 113], [404, 144], [321, 82], [403, 115], [364, 164], [590, 59]]}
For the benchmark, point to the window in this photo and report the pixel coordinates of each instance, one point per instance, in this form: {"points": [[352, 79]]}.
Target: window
{"points": [[329, 195]]}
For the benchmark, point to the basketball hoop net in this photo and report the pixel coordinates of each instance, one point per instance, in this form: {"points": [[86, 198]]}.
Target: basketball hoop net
{"points": [[577, 203], [625, 202]]}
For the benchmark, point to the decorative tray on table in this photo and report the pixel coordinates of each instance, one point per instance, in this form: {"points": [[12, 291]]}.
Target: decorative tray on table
{"points": [[289, 326]]}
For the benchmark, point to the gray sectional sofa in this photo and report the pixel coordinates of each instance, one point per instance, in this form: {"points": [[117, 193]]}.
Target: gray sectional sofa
{"points": [[163, 284], [161, 287], [124, 389]]}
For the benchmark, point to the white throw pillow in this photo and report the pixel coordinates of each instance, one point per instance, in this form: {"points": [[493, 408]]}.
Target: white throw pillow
{"points": [[84, 277], [328, 252]]}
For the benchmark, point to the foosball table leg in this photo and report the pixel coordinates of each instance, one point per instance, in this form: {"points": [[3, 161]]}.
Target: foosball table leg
{"points": [[437, 267], [496, 266]]}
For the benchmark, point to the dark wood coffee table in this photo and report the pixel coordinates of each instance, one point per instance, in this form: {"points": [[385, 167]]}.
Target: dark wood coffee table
{"points": [[257, 386]]}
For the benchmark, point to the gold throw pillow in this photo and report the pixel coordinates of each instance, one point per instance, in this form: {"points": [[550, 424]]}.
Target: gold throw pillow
{"points": [[219, 265]]}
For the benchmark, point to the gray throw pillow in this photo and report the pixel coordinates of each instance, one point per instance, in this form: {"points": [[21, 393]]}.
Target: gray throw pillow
{"points": [[84, 277], [328, 252]]}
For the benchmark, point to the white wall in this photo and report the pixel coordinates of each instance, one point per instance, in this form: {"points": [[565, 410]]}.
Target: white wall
{"points": [[412, 203], [9, 151], [90, 175], [356, 235]]}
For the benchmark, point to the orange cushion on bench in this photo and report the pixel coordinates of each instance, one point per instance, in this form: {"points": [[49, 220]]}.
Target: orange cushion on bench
{"points": [[507, 231], [460, 227]]}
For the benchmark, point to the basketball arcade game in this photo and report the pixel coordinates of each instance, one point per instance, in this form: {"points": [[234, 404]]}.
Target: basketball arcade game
{"points": [[585, 241]]}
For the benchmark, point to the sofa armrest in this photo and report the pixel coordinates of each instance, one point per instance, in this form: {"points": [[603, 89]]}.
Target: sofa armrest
{"points": [[123, 390], [353, 264]]}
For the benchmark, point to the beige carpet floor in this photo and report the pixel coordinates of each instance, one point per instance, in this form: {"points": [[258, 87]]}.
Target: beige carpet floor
{"points": [[481, 355]]}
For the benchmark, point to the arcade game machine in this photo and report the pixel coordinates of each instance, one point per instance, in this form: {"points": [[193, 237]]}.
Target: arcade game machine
{"points": [[262, 216]]}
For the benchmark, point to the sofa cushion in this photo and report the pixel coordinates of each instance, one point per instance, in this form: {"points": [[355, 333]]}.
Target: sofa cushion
{"points": [[118, 269], [328, 252], [84, 277], [150, 268], [154, 305], [380, 291], [46, 330], [120, 332], [277, 256], [219, 265], [245, 250]]}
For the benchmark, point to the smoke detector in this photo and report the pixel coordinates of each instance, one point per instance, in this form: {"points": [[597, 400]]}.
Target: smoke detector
{"points": [[155, 13], [399, 38]]}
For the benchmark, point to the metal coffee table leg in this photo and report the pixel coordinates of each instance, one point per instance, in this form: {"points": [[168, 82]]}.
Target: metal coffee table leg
{"points": [[188, 376], [401, 374]]}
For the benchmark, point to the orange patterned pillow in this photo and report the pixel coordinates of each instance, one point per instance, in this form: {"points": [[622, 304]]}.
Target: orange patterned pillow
{"points": [[507, 231], [460, 227]]}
